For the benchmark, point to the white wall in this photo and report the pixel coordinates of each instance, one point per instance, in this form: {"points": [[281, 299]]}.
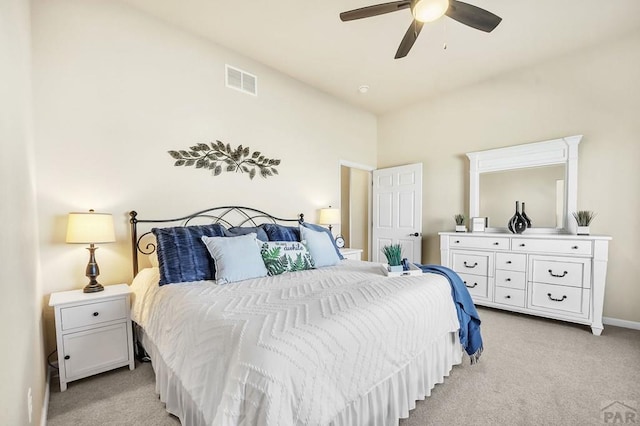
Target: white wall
{"points": [[116, 89], [595, 93], [22, 358]]}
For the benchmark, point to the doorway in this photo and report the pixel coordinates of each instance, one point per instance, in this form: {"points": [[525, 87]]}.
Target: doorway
{"points": [[355, 206]]}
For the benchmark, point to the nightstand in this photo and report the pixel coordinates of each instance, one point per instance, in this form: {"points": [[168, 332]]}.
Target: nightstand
{"points": [[93, 332], [351, 253]]}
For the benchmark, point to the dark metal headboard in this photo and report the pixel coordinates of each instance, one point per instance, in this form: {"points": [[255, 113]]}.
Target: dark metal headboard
{"points": [[229, 216]]}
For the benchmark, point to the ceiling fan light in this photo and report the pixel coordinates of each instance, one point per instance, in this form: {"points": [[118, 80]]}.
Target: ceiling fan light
{"points": [[429, 10]]}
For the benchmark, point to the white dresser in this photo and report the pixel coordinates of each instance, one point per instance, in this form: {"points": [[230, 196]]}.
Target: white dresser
{"points": [[554, 276], [351, 253]]}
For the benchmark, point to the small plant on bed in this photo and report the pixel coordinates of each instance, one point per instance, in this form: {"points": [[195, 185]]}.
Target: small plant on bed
{"points": [[219, 157], [393, 253]]}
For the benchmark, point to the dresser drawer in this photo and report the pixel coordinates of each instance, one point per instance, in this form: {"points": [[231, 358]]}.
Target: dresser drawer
{"points": [[511, 261], [93, 313], [497, 243], [561, 271], [477, 285], [471, 263], [560, 298], [511, 279], [509, 296], [533, 245]]}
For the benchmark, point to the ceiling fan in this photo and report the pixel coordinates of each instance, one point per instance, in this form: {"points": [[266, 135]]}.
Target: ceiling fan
{"points": [[428, 11]]}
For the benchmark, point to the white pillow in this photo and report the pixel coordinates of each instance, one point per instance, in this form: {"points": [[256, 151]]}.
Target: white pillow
{"points": [[320, 247], [236, 258]]}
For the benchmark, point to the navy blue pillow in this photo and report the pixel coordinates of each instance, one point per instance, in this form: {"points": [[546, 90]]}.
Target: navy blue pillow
{"points": [[323, 229], [182, 256], [277, 232], [244, 230]]}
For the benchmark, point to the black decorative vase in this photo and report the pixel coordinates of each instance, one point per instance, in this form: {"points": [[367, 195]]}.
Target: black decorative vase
{"points": [[526, 218], [517, 224]]}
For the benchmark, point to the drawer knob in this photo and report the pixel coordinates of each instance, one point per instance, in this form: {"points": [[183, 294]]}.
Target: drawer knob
{"points": [[508, 296], [554, 299], [556, 275], [521, 244], [470, 266], [470, 286], [508, 280], [575, 247], [496, 243], [67, 357], [95, 314], [508, 262], [457, 241]]}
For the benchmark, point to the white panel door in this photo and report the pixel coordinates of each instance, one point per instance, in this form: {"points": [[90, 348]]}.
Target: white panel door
{"points": [[397, 211]]}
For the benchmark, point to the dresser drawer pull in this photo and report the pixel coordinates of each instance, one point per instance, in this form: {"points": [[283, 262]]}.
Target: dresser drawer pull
{"points": [[95, 314], [496, 243], [508, 296], [556, 300], [470, 286], [472, 266], [556, 275], [522, 245], [509, 262], [508, 280], [575, 247], [457, 241]]}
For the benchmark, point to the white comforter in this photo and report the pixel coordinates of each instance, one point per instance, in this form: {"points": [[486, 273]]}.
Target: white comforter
{"points": [[298, 348]]}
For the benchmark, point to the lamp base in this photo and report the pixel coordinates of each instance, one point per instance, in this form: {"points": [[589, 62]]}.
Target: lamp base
{"points": [[93, 288]]}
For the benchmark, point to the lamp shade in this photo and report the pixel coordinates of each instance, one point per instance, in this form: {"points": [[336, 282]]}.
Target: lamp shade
{"points": [[90, 228], [329, 216]]}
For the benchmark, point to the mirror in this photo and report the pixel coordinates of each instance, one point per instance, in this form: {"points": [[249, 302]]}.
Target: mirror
{"points": [[543, 175]]}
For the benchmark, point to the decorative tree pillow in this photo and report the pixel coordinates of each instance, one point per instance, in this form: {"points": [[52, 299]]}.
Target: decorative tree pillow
{"points": [[285, 256]]}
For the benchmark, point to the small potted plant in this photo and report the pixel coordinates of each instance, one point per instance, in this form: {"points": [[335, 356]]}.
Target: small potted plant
{"points": [[459, 218], [583, 219], [393, 253]]}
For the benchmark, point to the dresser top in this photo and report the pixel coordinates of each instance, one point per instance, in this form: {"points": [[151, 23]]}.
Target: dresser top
{"points": [[526, 235], [74, 296]]}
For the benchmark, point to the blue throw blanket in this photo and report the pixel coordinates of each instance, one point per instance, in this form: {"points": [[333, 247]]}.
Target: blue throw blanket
{"points": [[469, 333]]}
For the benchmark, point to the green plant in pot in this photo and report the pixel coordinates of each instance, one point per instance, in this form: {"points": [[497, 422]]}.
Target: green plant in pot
{"points": [[393, 253], [459, 218], [583, 219]]}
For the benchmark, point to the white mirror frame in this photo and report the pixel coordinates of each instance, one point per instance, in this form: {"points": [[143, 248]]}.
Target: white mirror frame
{"points": [[555, 151]]}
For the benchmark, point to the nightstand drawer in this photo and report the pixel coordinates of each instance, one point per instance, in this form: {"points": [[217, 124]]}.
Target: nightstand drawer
{"points": [[93, 313]]}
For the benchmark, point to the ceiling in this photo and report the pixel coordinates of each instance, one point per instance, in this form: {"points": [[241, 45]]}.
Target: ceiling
{"points": [[306, 40]]}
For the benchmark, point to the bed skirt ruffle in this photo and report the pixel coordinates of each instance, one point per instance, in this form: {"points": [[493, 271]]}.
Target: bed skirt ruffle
{"points": [[384, 405]]}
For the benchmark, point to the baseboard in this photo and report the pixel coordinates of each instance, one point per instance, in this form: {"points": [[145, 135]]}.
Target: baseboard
{"points": [[621, 323], [45, 402]]}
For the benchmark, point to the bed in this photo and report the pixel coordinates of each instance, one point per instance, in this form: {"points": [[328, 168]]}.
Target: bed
{"points": [[333, 345]]}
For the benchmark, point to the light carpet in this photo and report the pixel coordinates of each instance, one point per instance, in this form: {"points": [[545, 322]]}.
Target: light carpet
{"points": [[533, 371]]}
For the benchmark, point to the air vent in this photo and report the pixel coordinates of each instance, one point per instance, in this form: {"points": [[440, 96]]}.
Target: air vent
{"points": [[241, 80]]}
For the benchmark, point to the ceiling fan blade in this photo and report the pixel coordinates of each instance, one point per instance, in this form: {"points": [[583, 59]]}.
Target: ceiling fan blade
{"points": [[472, 16], [378, 9], [409, 38]]}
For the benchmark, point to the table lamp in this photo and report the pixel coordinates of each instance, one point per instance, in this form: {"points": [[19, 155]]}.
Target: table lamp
{"points": [[329, 217], [91, 228]]}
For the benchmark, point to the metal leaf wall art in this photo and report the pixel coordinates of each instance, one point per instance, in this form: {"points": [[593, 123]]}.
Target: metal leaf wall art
{"points": [[219, 157]]}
